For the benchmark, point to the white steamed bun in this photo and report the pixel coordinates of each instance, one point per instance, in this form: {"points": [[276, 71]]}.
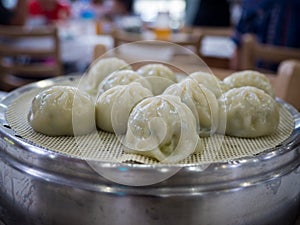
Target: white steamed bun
{"points": [[159, 75], [250, 78], [62, 110], [201, 101], [162, 127], [210, 81], [114, 105], [250, 112], [99, 70], [123, 77]]}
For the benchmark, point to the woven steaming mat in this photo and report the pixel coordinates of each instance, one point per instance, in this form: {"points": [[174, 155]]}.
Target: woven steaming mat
{"points": [[105, 146]]}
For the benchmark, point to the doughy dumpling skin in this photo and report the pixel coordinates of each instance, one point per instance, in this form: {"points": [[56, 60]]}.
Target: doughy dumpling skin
{"points": [[211, 82], [250, 78], [250, 112], [99, 70], [114, 105], [159, 75], [123, 77], [201, 101], [61, 110], [162, 127]]}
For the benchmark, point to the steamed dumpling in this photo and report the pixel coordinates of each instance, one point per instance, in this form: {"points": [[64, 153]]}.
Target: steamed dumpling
{"points": [[62, 110], [159, 75], [250, 112], [123, 77], [210, 81], [162, 127], [114, 105], [250, 78], [201, 101], [101, 69]]}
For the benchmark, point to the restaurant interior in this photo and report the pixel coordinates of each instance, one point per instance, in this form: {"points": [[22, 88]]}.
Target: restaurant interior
{"points": [[75, 40], [187, 36]]}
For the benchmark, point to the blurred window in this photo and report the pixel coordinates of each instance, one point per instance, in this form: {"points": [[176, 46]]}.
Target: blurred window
{"points": [[148, 9]]}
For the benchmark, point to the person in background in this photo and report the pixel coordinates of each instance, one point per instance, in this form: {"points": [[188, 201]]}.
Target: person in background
{"points": [[13, 16], [50, 10], [274, 22], [117, 8], [213, 13], [126, 5]]}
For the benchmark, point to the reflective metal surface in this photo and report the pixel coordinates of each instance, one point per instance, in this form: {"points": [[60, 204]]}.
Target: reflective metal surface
{"points": [[2, 94], [40, 187]]}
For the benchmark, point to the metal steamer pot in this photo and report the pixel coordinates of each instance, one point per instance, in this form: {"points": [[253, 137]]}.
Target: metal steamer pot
{"points": [[42, 187]]}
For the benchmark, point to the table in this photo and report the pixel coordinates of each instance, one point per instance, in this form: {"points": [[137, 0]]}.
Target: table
{"points": [[78, 39], [76, 49], [180, 38], [214, 46]]}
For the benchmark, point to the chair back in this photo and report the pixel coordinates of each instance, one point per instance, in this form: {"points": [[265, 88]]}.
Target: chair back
{"points": [[287, 82], [98, 51], [253, 51], [28, 54]]}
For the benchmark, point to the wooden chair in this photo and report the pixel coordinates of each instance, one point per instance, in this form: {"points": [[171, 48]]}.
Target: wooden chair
{"points": [[192, 38], [252, 51], [27, 55], [98, 51], [286, 79], [178, 63], [185, 39], [287, 82]]}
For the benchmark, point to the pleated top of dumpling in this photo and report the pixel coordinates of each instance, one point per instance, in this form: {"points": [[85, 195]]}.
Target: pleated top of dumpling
{"points": [[99, 70], [115, 104], [159, 75], [201, 101], [122, 77], [250, 78]]}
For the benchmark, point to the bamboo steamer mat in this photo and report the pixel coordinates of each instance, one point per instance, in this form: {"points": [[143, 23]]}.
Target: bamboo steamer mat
{"points": [[103, 146]]}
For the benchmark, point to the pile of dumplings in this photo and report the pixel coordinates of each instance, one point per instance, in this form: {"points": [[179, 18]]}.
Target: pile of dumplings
{"points": [[155, 114]]}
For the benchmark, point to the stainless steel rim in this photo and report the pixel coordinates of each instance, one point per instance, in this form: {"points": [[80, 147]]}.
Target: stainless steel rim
{"points": [[47, 165]]}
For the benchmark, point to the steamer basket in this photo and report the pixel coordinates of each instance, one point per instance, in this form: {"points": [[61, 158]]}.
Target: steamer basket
{"points": [[39, 186]]}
